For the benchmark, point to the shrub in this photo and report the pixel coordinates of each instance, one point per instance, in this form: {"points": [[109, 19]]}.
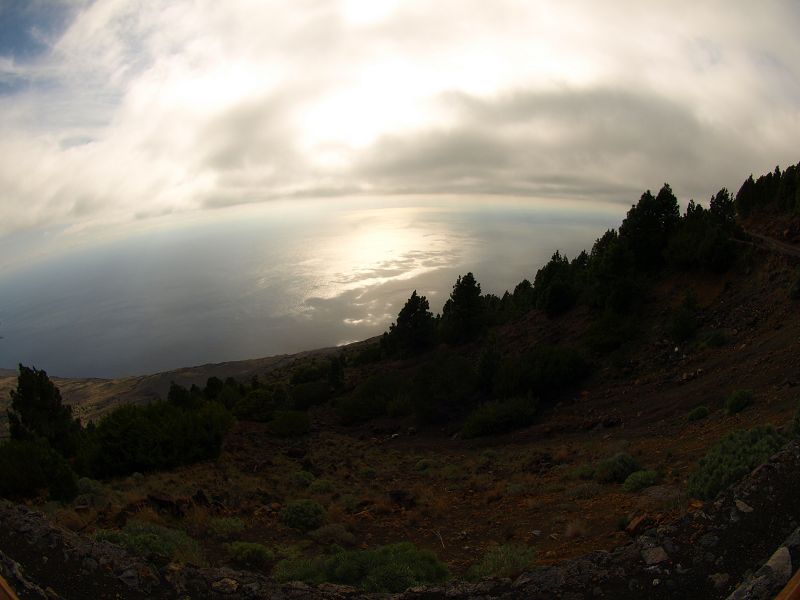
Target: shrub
{"points": [[159, 435], [321, 486], [445, 384], [303, 515], [697, 413], [499, 417], [311, 393], [732, 457], [584, 471], [738, 401], [225, 527], [154, 542], [371, 398], [639, 480], [508, 560], [616, 468], [335, 533], [311, 372], [393, 568], [251, 555], [302, 479], [28, 467], [289, 423]]}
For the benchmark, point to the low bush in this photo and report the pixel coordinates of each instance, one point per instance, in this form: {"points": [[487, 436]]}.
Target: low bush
{"points": [[738, 401], [508, 560], [302, 479], [225, 527], [385, 569], [335, 533], [303, 515], [584, 471], [310, 393], [731, 458], [154, 542], [640, 480], [616, 468], [289, 423], [250, 555], [321, 486], [159, 435], [30, 467], [499, 417], [697, 413]]}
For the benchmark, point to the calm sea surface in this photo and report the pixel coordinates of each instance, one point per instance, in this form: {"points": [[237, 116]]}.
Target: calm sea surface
{"points": [[277, 278]]}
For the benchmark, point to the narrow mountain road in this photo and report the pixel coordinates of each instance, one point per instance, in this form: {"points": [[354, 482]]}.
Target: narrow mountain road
{"points": [[775, 245]]}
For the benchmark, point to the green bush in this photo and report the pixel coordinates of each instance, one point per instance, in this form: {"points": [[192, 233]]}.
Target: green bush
{"points": [[303, 515], [225, 527], [321, 486], [639, 480], [499, 417], [335, 533], [302, 479], [697, 413], [154, 542], [388, 569], [311, 393], [738, 401], [371, 399], [250, 555], [584, 471], [616, 468], [731, 458], [29, 467], [508, 560], [289, 423], [159, 435]]}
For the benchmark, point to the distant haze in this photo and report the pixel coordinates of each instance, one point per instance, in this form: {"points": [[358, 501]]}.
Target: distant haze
{"points": [[287, 277]]}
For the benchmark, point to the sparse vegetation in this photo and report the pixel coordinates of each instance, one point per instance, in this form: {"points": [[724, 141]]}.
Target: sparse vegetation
{"points": [[616, 469], [303, 515], [226, 527], [738, 401], [289, 423], [640, 480], [508, 560], [731, 458], [499, 417], [392, 568], [154, 542], [697, 413], [250, 555]]}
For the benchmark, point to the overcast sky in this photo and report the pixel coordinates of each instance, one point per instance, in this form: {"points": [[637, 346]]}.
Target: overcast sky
{"points": [[117, 111]]}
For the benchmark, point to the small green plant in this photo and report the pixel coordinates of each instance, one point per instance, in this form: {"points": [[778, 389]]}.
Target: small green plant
{"points": [[30, 467], [321, 486], [335, 533], [616, 468], [587, 490], [303, 515], [640, 480], [302, 479], [154, 542], [499, 417], [425, 464], [584, 471], [250, 555], [697, 413], [348, 502], [289, 423], [738, 401], [508, 560], [225, 527], [731, 458], [393, 568]]}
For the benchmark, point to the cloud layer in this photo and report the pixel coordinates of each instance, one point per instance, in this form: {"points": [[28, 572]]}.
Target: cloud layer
{"points": [[122, 110]]}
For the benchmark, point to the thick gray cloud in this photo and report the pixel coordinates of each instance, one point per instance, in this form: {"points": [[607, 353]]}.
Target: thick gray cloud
{"points": [[135, 110]]}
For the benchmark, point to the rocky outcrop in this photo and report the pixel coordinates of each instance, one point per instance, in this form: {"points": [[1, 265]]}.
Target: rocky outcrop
{"points": [[702, 555]]}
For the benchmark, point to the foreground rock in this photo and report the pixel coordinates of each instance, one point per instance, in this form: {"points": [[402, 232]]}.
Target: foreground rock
{"points": [[702, 555]]}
